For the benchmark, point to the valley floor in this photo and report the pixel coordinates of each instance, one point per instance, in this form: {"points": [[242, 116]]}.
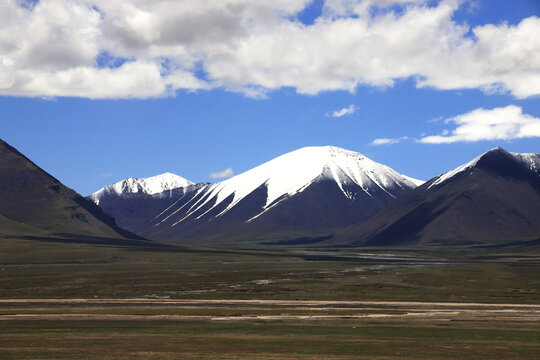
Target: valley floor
{"points": [[91, 299]]}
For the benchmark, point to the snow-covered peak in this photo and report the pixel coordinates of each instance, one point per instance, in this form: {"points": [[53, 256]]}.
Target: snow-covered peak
{"points": [[149, 185], [291, 173], [532, 161]]}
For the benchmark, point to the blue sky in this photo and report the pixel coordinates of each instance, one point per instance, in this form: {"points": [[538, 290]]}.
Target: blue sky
{"points": [[203, 114]]}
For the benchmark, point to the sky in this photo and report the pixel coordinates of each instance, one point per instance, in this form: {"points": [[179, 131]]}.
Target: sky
{"points": [[95, 91]]}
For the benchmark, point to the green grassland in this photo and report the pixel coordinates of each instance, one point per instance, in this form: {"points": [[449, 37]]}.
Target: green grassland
{"points": [[204, 340], [91, 267], [94, 268]]}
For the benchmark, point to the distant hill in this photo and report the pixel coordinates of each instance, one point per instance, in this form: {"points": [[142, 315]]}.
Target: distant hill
{"points": [[493, 198], [135, 202], [32, 201]]}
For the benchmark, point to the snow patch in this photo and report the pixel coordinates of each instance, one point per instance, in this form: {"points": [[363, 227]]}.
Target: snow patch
{"points": [[450, 174], [531, 160]]}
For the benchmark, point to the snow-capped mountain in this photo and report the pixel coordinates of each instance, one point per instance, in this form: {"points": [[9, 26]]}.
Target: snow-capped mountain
{"points": [[292, 173], [135, 202], [148, 185], [493, 198], [531, 161], [310, 188]]}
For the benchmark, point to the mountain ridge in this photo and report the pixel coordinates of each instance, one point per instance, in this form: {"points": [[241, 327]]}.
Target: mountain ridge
{"points": [[494, 197], [148, 185]]}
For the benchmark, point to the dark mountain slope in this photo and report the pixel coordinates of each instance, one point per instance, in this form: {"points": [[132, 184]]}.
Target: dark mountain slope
{"points": [[494, 198], [31, 197]]}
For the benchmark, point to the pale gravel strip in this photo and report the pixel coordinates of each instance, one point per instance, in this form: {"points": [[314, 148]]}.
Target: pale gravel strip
{"points": [[266, 302], [425, 315]]}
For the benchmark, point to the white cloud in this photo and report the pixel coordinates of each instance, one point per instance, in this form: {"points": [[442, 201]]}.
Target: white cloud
{"points": [[227, 173], [504, 123], [51, 49], [349, 110], [91, 82], [388, 141]]}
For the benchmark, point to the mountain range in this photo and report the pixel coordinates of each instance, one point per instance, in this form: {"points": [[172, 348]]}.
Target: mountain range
{"points": [[310, 190], [321, 195], [334, 196]]}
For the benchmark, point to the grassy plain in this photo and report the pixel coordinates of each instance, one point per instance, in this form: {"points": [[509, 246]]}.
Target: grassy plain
{"points": [[91, 298]]}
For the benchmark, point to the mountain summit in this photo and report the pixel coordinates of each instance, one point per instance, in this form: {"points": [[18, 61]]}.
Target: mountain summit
{"points": [[495, 197], [135, 202], [312, 188], [496, 160], [149, 185], [290, 174]]}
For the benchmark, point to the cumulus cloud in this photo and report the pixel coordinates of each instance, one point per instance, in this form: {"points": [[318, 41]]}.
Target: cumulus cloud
{"points": [[349, 110], [227, 173], [388, 141], [504, 123], [52, 48], [91, 82]]}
